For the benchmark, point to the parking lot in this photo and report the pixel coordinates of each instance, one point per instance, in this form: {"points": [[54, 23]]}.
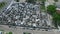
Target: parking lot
{"points": [[24, 14], [27, 17]]}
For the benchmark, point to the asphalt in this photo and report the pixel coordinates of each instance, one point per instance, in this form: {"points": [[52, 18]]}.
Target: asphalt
{"points": [[19, 30]]}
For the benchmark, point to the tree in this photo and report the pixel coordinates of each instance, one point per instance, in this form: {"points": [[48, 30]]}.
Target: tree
{"points": [[10, 32], [56, 19], [51, 9], [30, 1], [2, 4], [43, 0], [56, 0], [17, 0]]}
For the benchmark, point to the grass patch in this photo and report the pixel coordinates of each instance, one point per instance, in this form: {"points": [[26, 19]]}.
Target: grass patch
{"points": [[2, 4]]}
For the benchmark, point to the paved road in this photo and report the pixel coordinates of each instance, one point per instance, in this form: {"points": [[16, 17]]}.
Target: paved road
{"points": [[18, 30]]}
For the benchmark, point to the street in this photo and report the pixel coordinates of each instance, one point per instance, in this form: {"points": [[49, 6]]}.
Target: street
{"points": [[19, 30]]}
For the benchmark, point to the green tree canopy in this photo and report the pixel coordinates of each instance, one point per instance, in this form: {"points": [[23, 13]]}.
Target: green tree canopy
{"points": [[2, 4], [56, 0], [56, 19], [51, 9], [43, 0], [30, 1], [10, 32], [56, 16], [17, 0]]}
